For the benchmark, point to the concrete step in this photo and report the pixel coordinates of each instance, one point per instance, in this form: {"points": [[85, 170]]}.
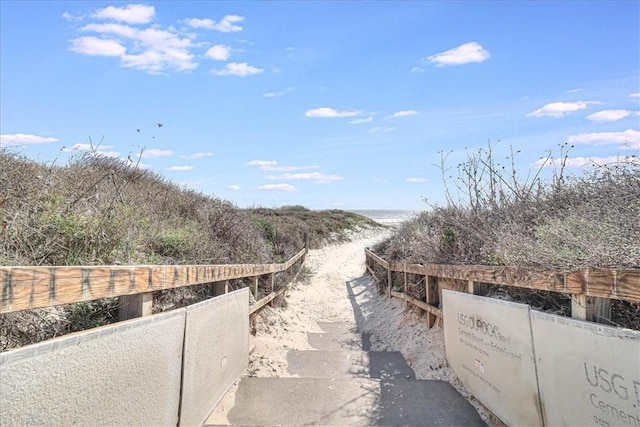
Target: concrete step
{"points": [[338, 327], [340, 402], [348, 364], [332, 341]]}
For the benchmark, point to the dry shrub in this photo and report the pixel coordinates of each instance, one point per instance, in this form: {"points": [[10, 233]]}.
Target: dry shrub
{"points": [[98, 210], [590, 219]]}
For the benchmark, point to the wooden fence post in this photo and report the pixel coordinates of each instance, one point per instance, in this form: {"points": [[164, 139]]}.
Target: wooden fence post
{"points": [[475, 288], [138, 305], [220, 288], [389, 281], [273, 285], [591, 309], [254, 286], [431, 297]]}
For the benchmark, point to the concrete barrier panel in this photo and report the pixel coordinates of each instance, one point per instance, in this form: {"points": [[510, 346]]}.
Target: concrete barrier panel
{"points": [[589, 374], [489, 346], [123, 374], [216, 353]]}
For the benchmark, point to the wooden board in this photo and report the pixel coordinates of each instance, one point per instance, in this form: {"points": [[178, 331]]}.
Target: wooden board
{"points": [[421, 304], [36, 287]]}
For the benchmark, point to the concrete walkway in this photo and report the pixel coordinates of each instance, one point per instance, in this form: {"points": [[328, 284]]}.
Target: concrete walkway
{"points": [[342, 383]]}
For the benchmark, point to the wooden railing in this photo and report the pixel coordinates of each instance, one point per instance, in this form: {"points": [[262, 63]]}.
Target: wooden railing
{"points": [[591, 290], [25, 288]]}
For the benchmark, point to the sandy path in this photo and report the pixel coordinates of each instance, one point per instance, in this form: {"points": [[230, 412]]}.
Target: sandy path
{"points": [[337, 272]]}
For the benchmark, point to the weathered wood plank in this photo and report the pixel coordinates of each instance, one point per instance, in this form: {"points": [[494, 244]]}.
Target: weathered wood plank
{"points": [[377, 259], [421, 304], [36, 287]]}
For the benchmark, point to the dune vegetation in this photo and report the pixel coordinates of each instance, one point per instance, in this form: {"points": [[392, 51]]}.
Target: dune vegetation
{"points": [[566, 222], [106, 211]]}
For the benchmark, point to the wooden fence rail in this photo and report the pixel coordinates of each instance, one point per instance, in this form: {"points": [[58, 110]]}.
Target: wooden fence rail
{"points": [[26, 288], [591, 290]]}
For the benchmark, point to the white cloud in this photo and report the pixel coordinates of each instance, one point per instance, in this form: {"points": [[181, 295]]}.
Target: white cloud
{"points": [[403, 113], [559, 109], [381, 129], [416, 180], [576, 90], [316, 177], [234, 187], [198, 155], [131, 14], [226, 25], [275, 94], [359, 121], [277, 187], [634, 95], [181, 168], [153, 153], [151, 49], [417, 70], [71, 17], [238, 69], [17, 139], [576, 162], [261, 163], [95, 46], [330, 113], [609, 115], [98, 150], [463, 54], [218, 52], [630, 138]]}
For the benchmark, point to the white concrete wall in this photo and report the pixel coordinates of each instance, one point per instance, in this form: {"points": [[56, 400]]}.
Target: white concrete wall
{"points": [[589, 374], [124, 374], [586, 373], [216, 353], [490, 347]]}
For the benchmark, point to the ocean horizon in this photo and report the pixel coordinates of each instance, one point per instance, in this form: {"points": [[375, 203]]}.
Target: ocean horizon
{"points": [[386, 216]]}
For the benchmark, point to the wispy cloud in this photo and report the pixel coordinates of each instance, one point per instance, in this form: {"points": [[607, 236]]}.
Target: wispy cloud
{"points": [[276, 94], [464, 54], [228, 24], [153, 153], [628, 139], [403, 114], [181, 168], [416, 180], [330, 113], [609, 115], [238, 69], [218, 52], [417, 70], [576, 90], [17, 139], [359, 121], [261, 163], [100, 150], [316, 177], [234, 187], [198, 155], [272, 166], [381, 129], [277, 187], [634, 95], [560, 109], [576, 162], [131, 13]]}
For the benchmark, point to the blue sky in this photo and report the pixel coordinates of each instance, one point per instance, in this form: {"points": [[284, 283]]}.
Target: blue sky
{"points": [[324, 104]]}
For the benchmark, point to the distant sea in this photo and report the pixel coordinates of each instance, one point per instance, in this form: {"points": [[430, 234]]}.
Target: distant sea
{"points": [[386, 216]]}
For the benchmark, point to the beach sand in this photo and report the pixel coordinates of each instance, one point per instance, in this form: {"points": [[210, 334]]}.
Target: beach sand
{"points": [[324, 297]]}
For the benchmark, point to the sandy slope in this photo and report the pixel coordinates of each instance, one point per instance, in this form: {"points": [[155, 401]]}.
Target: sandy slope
{"points": [[337, 271]]}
